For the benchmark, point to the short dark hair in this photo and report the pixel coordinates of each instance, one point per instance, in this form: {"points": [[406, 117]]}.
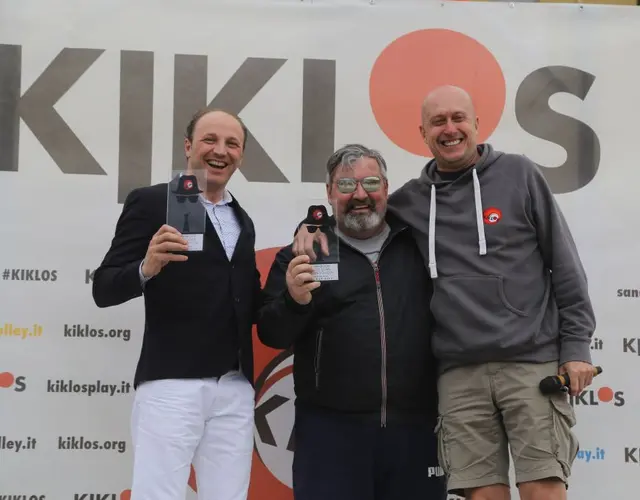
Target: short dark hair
{"points": [[205, 111], [348, 154]]}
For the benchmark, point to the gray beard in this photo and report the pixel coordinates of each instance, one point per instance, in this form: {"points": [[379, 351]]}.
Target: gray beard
{"points": [[362, 222]]}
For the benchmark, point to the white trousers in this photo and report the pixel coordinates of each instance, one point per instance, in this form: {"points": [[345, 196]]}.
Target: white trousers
{"points": [[207, 422]]}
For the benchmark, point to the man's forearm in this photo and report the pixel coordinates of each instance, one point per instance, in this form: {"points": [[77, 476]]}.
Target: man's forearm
{"points": [[116, 285], [568, 277], [281, 321]]}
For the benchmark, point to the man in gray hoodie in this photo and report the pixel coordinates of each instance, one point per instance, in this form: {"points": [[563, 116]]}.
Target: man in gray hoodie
{"points": [[510, 302]]}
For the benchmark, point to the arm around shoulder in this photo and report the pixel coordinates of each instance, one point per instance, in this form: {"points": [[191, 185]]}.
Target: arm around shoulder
{"points": [[118, 278], [281, 319], [568, 276]]}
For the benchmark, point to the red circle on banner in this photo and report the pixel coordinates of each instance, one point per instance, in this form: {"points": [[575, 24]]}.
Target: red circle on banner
{"points": [[605, 394], [416, 63], [6, 379]]}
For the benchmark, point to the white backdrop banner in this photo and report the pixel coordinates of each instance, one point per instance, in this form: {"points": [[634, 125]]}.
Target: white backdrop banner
{"points": [[94, 97]]}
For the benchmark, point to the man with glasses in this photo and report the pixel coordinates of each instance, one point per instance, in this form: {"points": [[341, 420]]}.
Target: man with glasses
{"points": [[364, 375], [511, 307]]}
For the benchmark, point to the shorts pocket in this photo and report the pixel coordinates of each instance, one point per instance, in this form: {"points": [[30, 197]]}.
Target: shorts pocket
{"points": [[442, 450], [564, 441]]}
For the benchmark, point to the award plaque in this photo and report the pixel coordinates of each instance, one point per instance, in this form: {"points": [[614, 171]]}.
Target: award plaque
{"points": [[319, 222], [185, 211]]}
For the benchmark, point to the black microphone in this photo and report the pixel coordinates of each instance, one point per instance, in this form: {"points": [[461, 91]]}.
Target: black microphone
{"points": [[559, 383]]}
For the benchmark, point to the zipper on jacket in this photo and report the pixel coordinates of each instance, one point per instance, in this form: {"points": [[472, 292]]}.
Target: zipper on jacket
{"points": [[317, 357], [383, 334], [383, 345]]}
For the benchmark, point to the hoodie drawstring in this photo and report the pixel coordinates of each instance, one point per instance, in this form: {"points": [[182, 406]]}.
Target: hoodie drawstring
{"points": [[482, 241], [433, 270]]}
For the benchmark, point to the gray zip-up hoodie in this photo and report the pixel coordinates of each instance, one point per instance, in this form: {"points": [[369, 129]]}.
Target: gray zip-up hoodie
{"points": [[508, 281]]}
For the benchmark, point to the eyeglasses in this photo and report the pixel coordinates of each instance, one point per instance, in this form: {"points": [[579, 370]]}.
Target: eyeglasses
{"points": [[347, 185]]}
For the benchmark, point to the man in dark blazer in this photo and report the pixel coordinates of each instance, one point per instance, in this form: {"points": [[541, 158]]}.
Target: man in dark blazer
{"points": [[194, 399]]}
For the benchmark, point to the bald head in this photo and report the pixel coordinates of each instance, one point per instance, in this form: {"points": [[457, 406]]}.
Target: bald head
{"points": [[447, 96], [449, 127]]}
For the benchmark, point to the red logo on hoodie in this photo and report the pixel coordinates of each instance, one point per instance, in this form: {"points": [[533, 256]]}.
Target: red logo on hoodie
{"points": [[492, 215]]}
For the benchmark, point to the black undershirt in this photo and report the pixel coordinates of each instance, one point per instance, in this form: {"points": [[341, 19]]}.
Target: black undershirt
{"points": [[452, 175]]}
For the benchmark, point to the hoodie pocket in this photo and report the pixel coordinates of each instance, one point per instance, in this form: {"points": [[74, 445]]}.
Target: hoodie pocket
{"points": [[474, 314]]}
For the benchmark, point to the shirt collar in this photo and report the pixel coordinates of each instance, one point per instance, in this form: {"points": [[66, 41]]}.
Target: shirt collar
{"points": [[226, 199]]}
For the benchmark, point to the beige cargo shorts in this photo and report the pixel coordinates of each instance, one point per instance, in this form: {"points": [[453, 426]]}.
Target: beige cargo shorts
{"points": [[485, 409]]}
